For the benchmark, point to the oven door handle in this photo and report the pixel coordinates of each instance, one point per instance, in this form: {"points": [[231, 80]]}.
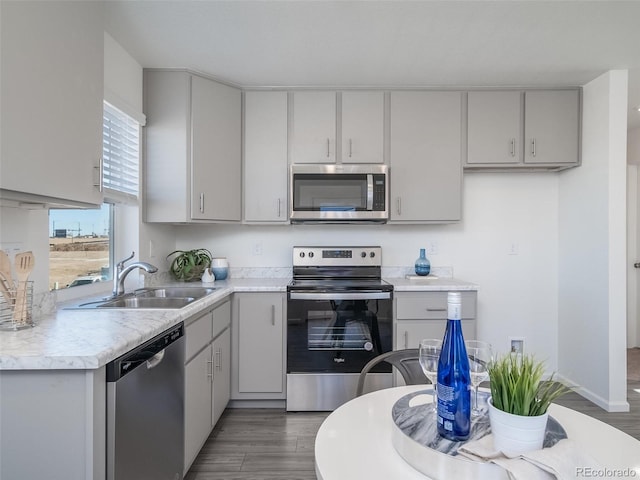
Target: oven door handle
{"points": [[339, 296]]}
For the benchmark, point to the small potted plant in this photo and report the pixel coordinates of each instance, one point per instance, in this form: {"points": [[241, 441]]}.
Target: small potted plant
{"points": [[519, 402], [189, 265]]}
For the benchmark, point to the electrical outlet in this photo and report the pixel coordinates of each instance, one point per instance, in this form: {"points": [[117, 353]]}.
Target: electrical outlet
{"points": [[513, 248], [433, 248], [257, 248], [516, 345]]}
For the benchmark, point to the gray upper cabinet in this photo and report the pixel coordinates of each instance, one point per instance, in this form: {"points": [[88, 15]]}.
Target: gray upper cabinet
{"points": [[313, 127], [425, 163], [362, 132], [52, 91], [193, 148], [494, 134], [530, 129], [265, 157], [342, 127], [552, 127]]}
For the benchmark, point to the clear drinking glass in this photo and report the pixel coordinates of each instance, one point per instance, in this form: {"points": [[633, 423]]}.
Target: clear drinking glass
{"points": [[479, 354], [429, 355]]}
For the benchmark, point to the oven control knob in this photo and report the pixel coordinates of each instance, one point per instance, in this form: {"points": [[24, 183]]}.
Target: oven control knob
{"points": [[363, 254], [301, 254], [368, 346], [310, 254], [372, 254]]}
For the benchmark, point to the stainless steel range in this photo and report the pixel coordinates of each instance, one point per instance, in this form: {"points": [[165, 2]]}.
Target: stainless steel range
{"points": [[339, 316]]}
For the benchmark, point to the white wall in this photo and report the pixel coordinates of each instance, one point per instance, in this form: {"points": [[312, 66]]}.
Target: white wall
{"points": [[518, 293], [122, 79], [123, 89], [27, 230], [633, 236], [633, 226], [633, 146], [592, 250]]}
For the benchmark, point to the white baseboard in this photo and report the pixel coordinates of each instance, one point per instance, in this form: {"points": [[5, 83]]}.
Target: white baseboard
{"points": [[618, 406], [256, 404]]}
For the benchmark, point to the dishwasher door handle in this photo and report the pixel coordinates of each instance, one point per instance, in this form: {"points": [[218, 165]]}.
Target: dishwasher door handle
{"points": [[155, 360]]}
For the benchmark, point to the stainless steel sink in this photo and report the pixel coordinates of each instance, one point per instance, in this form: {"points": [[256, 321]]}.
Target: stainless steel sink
{"points": [[174, 292], [156, 297], [147, 302]]}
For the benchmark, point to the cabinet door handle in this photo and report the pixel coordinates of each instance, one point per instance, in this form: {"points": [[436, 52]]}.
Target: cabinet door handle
{"points": [[100, 168], [350, 147], [328, 148], [399, 206], [406, 339], [210, 367], [279, 208], [513, 147], [218, 358], [202, 202], [436, 309], [533, 147], [273, 315]]}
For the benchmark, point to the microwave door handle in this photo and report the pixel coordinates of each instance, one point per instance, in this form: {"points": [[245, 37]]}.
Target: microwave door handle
{"points": [[369, 192]]}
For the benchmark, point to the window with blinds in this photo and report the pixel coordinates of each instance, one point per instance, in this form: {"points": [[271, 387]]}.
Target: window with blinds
{"points": [[121, 153]]}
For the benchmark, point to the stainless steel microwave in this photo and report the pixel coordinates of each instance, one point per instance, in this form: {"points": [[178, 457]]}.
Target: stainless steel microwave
{"points": [[339, 193]]}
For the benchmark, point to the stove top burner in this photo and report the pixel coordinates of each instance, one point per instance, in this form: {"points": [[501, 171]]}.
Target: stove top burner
{"points": [[338, 269]]}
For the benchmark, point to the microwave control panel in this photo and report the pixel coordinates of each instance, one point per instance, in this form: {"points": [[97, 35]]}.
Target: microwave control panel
{"points": [[379, 193]]}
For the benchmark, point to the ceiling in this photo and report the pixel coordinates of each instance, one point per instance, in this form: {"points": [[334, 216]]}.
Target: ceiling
{"points": [[385, 43]]}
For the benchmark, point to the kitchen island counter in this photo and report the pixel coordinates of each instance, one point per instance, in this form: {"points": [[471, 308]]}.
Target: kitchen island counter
{"points": [[85, 339]]}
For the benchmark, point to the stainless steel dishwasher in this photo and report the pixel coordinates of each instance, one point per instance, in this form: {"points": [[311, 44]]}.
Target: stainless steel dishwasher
{"points": [[145, 410]]}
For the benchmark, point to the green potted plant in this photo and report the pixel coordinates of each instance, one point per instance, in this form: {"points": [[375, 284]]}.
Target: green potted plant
{"points": [[189, 265], [519, 402]]}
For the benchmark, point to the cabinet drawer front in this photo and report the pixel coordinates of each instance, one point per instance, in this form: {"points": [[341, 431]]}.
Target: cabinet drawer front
{"points": [[199, 334], [431, 305], [409, 333], [221, 318]]}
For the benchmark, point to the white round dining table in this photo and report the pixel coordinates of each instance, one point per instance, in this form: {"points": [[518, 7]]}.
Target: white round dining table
{"points": [[355, 441]]}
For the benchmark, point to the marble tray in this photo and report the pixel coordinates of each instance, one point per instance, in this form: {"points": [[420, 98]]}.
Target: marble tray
{"points": [[416, 439]]}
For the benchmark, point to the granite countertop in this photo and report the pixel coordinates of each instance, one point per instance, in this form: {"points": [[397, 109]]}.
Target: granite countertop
{"points": [[430, 284], [88, 339]]}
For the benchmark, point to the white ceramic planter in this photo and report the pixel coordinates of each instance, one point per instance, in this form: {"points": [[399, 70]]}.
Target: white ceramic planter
{"points": [[515, 434], [220, 268]]}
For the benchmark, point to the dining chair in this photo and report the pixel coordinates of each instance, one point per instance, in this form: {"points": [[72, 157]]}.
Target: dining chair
{"points": [[406, 361]]}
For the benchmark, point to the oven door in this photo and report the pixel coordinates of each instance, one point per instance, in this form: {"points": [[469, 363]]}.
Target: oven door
{"points": [[338, 193], [337, 332]]}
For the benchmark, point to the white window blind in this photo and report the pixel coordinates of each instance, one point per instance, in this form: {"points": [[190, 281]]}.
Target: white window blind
{"points": [[121, 154]]}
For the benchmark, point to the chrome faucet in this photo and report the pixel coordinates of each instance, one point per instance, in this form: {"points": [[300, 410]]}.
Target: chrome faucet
{"points": [[121, 273]]}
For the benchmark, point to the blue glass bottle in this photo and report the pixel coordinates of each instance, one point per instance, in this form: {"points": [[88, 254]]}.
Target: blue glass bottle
{"points": [[454, 379], [422, 265]]}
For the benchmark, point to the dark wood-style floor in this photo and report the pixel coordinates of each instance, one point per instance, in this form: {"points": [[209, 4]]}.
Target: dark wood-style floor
{"points": [[270, 444]]}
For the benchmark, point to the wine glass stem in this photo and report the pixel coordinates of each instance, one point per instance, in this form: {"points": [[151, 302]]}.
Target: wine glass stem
{"points": [[475, 398], [435, 396]]}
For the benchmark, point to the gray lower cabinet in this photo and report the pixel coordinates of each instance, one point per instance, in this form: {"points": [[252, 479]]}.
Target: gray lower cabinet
{"points": [[207, 374], [424, 315], [53, 424], [426, 160], [258, 346]]}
